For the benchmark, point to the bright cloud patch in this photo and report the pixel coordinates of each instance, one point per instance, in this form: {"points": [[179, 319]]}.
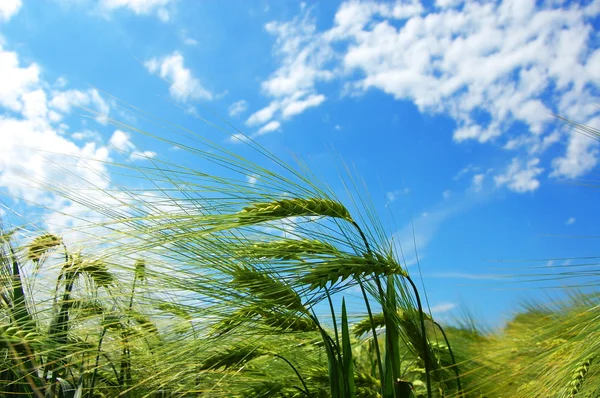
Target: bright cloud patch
{"points": [[269, 127], [121, 142], [64, 101], [8, 8], [521, 176], [237, 108], [183, 82], [36, 148], [140, 7], [499, 69], [442, 308], [393, 195]]}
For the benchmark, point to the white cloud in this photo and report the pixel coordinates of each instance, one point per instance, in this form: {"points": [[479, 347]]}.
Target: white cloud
{"points": [[15, 80], [34, 149], [86, 135], [237, 108], [412, 239], [141, 155], [304, 55], [466, 170], [285, 108], [34, 154], [394, 195], [581, 157], [521, 176], [140, 7], [37, 150], [447, 3], [442, 308], [268, 128], [463, 275], [570, 221], [8, 8], [65, 101], [183, 83], [296, 107], [187, 40], [252, 179], [121, 141], [477, 182], [499, 69], [446, 194], [263, 115]]}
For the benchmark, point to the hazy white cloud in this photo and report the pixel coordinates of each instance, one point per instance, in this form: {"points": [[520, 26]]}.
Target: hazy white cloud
{"points": [[570, 221], [443, 307], [252, 179], [521, 176], [183, 83], [141, 155], [303, 54], [237, 108], [263, 115], [477, 182], [581, 156], [394, 195], [268, 128], [412, 239], [65, 101], [140, 7], [15, 80], [466, 170], [37, 149], [189, 41], [296, 107], [238, 138], [8, 8], [464, 275], [35, 154], [446, 194], [121, 141]]}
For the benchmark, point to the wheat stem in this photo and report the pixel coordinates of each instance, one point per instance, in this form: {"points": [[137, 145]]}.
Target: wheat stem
{"points": [[306, 390], [458, 383]]}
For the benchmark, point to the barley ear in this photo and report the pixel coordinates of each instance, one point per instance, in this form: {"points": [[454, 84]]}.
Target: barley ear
{"points": [[41, 245], [578, 377], [296, 207]]}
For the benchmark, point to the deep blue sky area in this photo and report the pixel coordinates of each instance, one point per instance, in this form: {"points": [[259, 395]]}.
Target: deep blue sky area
{"points": [[445, 108]]}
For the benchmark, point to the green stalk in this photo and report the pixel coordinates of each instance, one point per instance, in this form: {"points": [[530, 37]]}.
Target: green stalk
{"points": [[347, 363], [337, 339], [364, 293], [93, 382], [423, 330], [455, 367], [306, 390], [424, 333]]}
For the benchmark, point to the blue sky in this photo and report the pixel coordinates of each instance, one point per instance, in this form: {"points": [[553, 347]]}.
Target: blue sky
{"points": [[445, 108]]}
